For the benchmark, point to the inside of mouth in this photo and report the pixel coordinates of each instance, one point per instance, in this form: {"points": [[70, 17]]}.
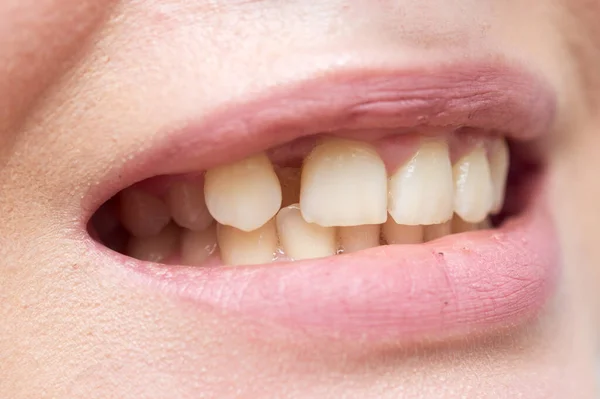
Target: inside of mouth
{"points": [[317, 197]]}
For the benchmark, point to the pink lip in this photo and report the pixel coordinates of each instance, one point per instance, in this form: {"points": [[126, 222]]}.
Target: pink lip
{"points": [[462, 284]]}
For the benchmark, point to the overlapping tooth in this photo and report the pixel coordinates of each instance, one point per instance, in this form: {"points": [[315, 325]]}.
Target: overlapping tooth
{"points": [[344, 183], [238, 247], [198, 246], [141, 213], [244, 194], [289, 178], [420, 191], [435, 231], [187, 205], [300, 239], [473, 190], [156, 248], [499, 163], [395, 233], [357, 238]]}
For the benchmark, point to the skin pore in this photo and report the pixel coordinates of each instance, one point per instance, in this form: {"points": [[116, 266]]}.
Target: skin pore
{"points": [[86, 84]]}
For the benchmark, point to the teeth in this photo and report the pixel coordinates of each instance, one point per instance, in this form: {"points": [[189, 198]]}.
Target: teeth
{"points": [[420, 191], [142, 213], [302, 240], [499, 162], [394, 233], [197, 246], [187, 205], [460, 226], [247, 248], [435, 231], [344, 183], [473, 190], [357, 238], [154, 248], [289, 178], [245, 194]]}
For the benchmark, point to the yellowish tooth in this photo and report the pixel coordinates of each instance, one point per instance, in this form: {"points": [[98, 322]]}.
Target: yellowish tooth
{"points": [[302, 240], [155, 248], [198, 246], [289, 178], [357, 238], [473, 190], [142, 213], [460, 226], [187, 205], [244, 194], [420, 191], [238, 247], [499, 163], [344, 183], [395, 233], [435, 231]]}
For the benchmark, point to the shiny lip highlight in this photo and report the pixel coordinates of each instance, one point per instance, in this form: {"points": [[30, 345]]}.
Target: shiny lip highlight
{"points": [[461, 284]]}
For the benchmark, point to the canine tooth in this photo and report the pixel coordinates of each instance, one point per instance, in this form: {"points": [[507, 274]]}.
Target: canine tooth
{"points": [[473, 190], [254, 247], [289, 178], [301, 239], [244, 194], [499, 162], [356, 238], [435, 231], [187, 205], [197, 246], [420, 191], [142, 213], [154, 248], [344, 183], [395, 233]]}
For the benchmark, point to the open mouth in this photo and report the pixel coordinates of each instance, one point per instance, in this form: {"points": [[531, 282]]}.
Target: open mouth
{"points": [[386, 205]]}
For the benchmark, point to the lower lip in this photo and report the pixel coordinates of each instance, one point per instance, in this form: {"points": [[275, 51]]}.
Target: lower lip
{"points": [[464, 284]]}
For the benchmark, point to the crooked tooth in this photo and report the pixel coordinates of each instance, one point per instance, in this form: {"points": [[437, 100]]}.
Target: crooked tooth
{"points": [[238, 247], [435, 231], [289, 178], [245, 194], [357, 238], [154, 248], [197, 246], [187, 205], [344, 183], [301, 239], [499, 163], [142, 213], [395, 233], [420, 191], [473, 190]]}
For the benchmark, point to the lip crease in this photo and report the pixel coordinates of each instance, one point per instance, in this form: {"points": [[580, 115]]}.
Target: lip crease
{"points": [[461, 284]]}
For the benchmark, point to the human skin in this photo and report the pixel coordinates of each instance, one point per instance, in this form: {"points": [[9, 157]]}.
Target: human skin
{"points": [[87, 83]]}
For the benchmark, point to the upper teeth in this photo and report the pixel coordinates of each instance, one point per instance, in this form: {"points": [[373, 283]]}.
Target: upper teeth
{"points": [[340, 201]]}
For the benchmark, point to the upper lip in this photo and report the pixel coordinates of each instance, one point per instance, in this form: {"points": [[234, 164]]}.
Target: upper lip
{"points": [[368, 292]]}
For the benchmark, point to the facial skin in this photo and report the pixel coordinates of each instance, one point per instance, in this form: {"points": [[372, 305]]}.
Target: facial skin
{"points": [[85, 84]]}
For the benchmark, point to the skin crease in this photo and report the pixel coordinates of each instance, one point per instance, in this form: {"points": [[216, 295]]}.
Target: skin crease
{"points": [[87, 83]]}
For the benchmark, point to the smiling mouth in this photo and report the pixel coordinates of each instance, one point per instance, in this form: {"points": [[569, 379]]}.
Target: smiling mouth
{"points": [[383, 204]]}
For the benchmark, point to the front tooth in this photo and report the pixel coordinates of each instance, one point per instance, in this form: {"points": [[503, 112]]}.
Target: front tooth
{"points": [[289, 178], [344, 183], [142, 213], [187, 205], [245, 194], [197, 246], [420, 191], [154, 248], [395, 233], [435, 231], [499, 162], [240, 247], [473, 190], [301, 239], [357, 238], [460, 226]]}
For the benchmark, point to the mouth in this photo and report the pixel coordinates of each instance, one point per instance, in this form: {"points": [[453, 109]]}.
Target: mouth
{"points": [[388, 205]]}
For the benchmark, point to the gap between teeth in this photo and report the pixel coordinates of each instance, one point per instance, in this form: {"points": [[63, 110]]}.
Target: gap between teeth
{"points": [[342, 200]]}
